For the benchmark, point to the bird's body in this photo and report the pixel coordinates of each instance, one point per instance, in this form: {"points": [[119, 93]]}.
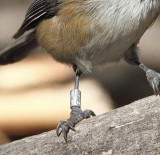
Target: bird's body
{"points": [[85, 33], [95, 32]]}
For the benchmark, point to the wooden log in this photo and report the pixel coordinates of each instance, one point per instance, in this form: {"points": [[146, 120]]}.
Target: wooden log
{"points": [[130, 130]]}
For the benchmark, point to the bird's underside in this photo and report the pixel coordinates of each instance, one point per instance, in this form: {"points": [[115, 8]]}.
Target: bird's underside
{"points": [[84, 34]]}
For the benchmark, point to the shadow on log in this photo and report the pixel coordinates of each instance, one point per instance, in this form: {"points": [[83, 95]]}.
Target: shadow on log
{"points": [[130, 130]]}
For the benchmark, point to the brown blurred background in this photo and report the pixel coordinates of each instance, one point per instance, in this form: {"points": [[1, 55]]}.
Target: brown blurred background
{"points": [[34, 93]]}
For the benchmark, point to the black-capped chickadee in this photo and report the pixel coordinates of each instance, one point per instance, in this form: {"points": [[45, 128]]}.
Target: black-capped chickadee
{"points": [[84, 34]]}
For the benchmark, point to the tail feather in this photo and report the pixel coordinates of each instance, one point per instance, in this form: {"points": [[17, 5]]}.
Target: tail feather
{"points": [[19, 49]]}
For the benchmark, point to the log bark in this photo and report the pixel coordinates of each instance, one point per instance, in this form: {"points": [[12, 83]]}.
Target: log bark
{"points": [[130, 130]]}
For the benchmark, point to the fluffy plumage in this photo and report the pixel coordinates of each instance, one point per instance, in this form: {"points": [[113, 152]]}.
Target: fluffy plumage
{"points": [[94, 32], [38, 11], [89, 32]]}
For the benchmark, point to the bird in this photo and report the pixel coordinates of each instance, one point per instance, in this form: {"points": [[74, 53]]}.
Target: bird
{"points": [[84, 34]]}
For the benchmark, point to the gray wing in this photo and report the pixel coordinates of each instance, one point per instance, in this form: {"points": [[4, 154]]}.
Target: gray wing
{"points": [[19, 49], [38, 11], [24, 43]]}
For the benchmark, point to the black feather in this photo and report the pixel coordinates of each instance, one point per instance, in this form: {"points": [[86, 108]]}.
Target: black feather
{"points": [[19, 49], [39, 10]]}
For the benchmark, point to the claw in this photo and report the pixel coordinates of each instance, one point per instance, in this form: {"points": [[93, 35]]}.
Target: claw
{"points": [[77, 115], [65, 133], [154, 79], [88, 113], [155, 88], [72, 128], [58, 132], [64, 127], [92, 113]]}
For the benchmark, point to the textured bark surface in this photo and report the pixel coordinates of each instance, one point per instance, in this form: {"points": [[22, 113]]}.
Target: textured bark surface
{"points": [[130, 130]]}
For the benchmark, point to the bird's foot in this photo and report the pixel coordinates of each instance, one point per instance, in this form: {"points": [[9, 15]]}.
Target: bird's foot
{"points": [[76, 116], [153, 78]]}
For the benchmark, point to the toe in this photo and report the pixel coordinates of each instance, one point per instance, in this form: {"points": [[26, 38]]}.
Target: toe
{"points": [[65, 131], [59, 128], [92, 113], [64, 127], [76, 116], [154, 79], [155, 88], [88, 113]]}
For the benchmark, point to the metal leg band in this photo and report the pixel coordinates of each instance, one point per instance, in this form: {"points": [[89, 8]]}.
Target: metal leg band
{"points": [[75, 98]]}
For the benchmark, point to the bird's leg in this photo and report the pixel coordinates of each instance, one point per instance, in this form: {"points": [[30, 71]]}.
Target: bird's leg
{"points": [[76, 113], [131, 56], [153, 78]]}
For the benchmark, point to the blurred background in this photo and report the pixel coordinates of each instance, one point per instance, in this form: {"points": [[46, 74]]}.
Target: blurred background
{"points": [[34, 93]]}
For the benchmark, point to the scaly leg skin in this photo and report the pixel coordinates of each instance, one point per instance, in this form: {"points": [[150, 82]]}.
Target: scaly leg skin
{"points": [[131, 56], [76, 116], [76, 113], [152, 77]]}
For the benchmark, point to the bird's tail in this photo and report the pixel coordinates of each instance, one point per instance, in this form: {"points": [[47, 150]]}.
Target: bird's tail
{"points": [[19, 49]]}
